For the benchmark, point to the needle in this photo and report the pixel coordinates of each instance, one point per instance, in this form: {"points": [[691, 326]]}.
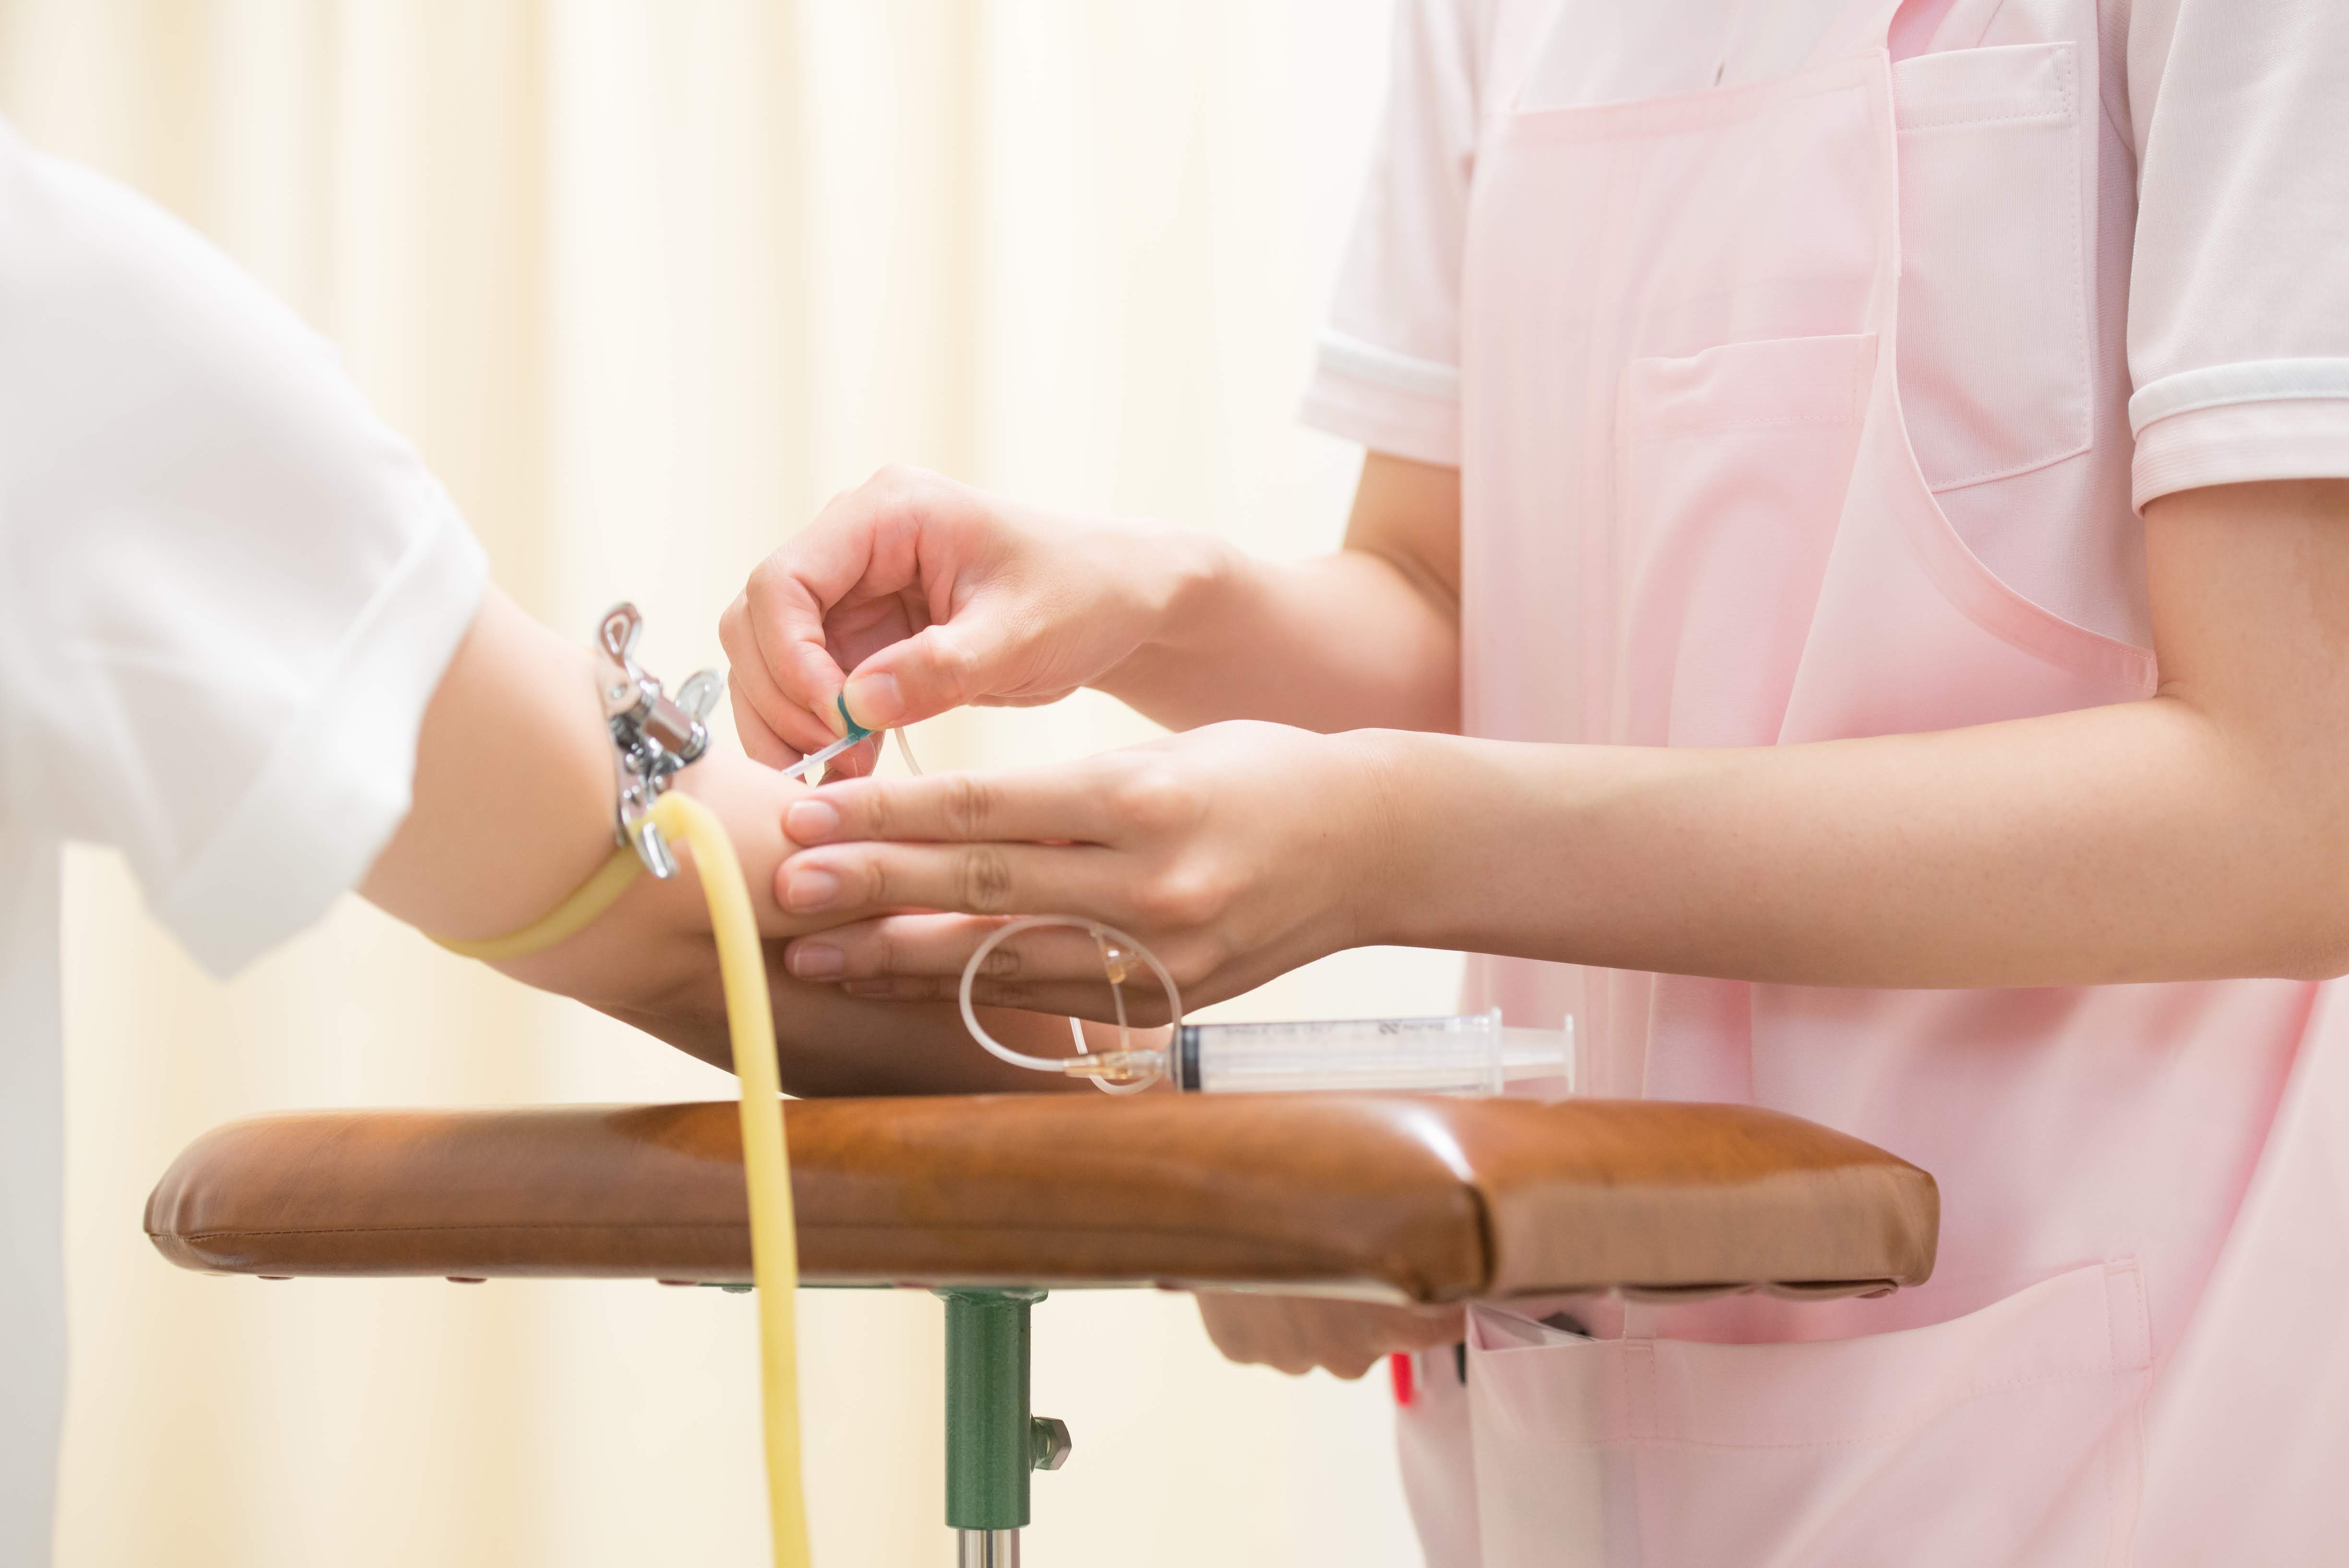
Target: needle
{"points": [[809, 764], [857, 734]]}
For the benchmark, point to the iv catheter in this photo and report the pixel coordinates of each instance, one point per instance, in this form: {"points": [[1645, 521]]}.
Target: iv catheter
{"points": [[805, 768], [654, 738]]}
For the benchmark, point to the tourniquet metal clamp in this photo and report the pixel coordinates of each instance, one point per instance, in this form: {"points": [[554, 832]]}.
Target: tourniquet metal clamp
{"points": [[655, 737]]}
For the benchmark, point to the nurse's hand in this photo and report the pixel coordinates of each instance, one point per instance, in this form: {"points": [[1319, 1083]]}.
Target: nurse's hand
{"points": [[937, 594], [1235, 853], [1297, 1334]]}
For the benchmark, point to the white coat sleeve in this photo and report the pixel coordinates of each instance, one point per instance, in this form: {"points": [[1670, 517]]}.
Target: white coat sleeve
{"points": [[1388, 373], [227, 590], [2239, 289]]}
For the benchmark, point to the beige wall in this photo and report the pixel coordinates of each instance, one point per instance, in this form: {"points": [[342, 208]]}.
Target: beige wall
{"points": [[647, 283]]}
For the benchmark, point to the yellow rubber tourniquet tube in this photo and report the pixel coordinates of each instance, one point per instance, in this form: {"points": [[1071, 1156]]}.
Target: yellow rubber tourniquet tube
{"points": [[766, 1167]]}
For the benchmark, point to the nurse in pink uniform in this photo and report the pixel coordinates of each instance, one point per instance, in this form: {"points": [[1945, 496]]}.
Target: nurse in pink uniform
{"points": [[1849, 597]]}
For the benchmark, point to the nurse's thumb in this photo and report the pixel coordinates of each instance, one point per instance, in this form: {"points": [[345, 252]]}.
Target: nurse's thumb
{"points": [[927, 674]]}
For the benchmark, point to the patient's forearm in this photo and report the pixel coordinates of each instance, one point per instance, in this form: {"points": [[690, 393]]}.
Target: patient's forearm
{"points": [[834, 1044], [513, 810], [512, 798]]}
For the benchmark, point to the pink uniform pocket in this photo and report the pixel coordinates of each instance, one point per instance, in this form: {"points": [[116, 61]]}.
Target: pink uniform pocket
{"points": [[1731, 470], [2005, 1439], [1994, 356]]}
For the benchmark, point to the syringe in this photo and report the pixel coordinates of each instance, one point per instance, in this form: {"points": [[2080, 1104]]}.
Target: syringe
{"points": [[1474, 1053]]}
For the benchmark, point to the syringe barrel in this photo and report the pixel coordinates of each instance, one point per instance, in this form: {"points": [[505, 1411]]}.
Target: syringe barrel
{"points": [[1469, 1054]]}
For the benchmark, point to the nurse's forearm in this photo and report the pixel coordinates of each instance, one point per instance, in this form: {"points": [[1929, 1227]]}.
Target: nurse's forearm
{"points": [[2117, 844], [1343, 642], [2201, 833], [1367, 637]]}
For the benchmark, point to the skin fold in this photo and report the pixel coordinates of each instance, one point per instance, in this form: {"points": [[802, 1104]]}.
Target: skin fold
{"points": [[1311, 799]]}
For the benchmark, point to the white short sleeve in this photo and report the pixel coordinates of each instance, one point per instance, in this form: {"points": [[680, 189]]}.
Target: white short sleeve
{"points": [[1387, 374], [227, 591], [2239, 294]]}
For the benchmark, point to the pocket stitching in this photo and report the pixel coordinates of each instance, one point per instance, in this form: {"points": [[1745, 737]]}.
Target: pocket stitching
{"points": [[2059, 116], [1880, 1435], [1891, 1434], [2083, 368], [2068, 96], [1658, 425], [2122, 1275]]}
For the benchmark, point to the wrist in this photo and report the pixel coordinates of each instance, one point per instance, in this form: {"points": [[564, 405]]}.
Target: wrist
{"points": [[1171, 590], [1392, 876]]}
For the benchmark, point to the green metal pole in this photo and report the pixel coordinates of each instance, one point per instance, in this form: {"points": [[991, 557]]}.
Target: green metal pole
{"points": [[990, 1450]]}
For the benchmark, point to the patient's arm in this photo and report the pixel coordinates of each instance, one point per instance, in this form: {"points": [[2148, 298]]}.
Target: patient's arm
{"points": [[512, 809]]}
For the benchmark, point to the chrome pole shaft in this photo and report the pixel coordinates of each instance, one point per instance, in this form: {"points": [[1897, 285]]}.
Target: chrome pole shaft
{"points": [[988, 1549]]}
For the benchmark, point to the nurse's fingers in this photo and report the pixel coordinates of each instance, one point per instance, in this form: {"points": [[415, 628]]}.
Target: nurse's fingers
{"points": [[856, 880], [864, 544], [1065, 803], [940, 945], [762, 712], [938, 669], [1294, 1334], [760, 743]]}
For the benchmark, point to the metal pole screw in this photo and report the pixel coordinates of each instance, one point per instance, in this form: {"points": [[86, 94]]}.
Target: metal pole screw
{"points": [[1049, 1444]]}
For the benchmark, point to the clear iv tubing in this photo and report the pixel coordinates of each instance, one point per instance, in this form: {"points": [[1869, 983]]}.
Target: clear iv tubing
{"points": [[1124, 1071]]}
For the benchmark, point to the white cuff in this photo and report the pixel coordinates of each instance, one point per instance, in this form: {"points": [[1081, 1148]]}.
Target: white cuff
{"points": [[2244, 381], [1389, 403], [1346, 355], [2240, 424]]}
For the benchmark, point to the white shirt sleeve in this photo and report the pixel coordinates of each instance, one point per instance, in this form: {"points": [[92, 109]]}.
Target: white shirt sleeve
{"points": [[1388, 373], [227, 591], [2239, 292]]}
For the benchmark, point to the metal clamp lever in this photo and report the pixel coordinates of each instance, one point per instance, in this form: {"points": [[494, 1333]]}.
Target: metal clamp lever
{"points": [[653, 736]]}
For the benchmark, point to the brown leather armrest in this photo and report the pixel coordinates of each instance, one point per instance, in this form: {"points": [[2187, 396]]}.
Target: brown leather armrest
{"points": [[1396, 1197]]}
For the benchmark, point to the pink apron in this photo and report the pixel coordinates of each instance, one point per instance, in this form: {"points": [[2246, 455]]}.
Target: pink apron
{"points": [[1694, 516]]}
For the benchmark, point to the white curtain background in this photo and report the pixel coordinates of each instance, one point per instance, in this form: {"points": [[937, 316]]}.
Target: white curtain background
{"points": [[647, 283]]}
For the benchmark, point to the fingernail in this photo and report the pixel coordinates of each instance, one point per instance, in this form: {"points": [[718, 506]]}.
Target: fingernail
{"points": [[872, 702], [810, 821], [810, 889], [816, 961]]}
